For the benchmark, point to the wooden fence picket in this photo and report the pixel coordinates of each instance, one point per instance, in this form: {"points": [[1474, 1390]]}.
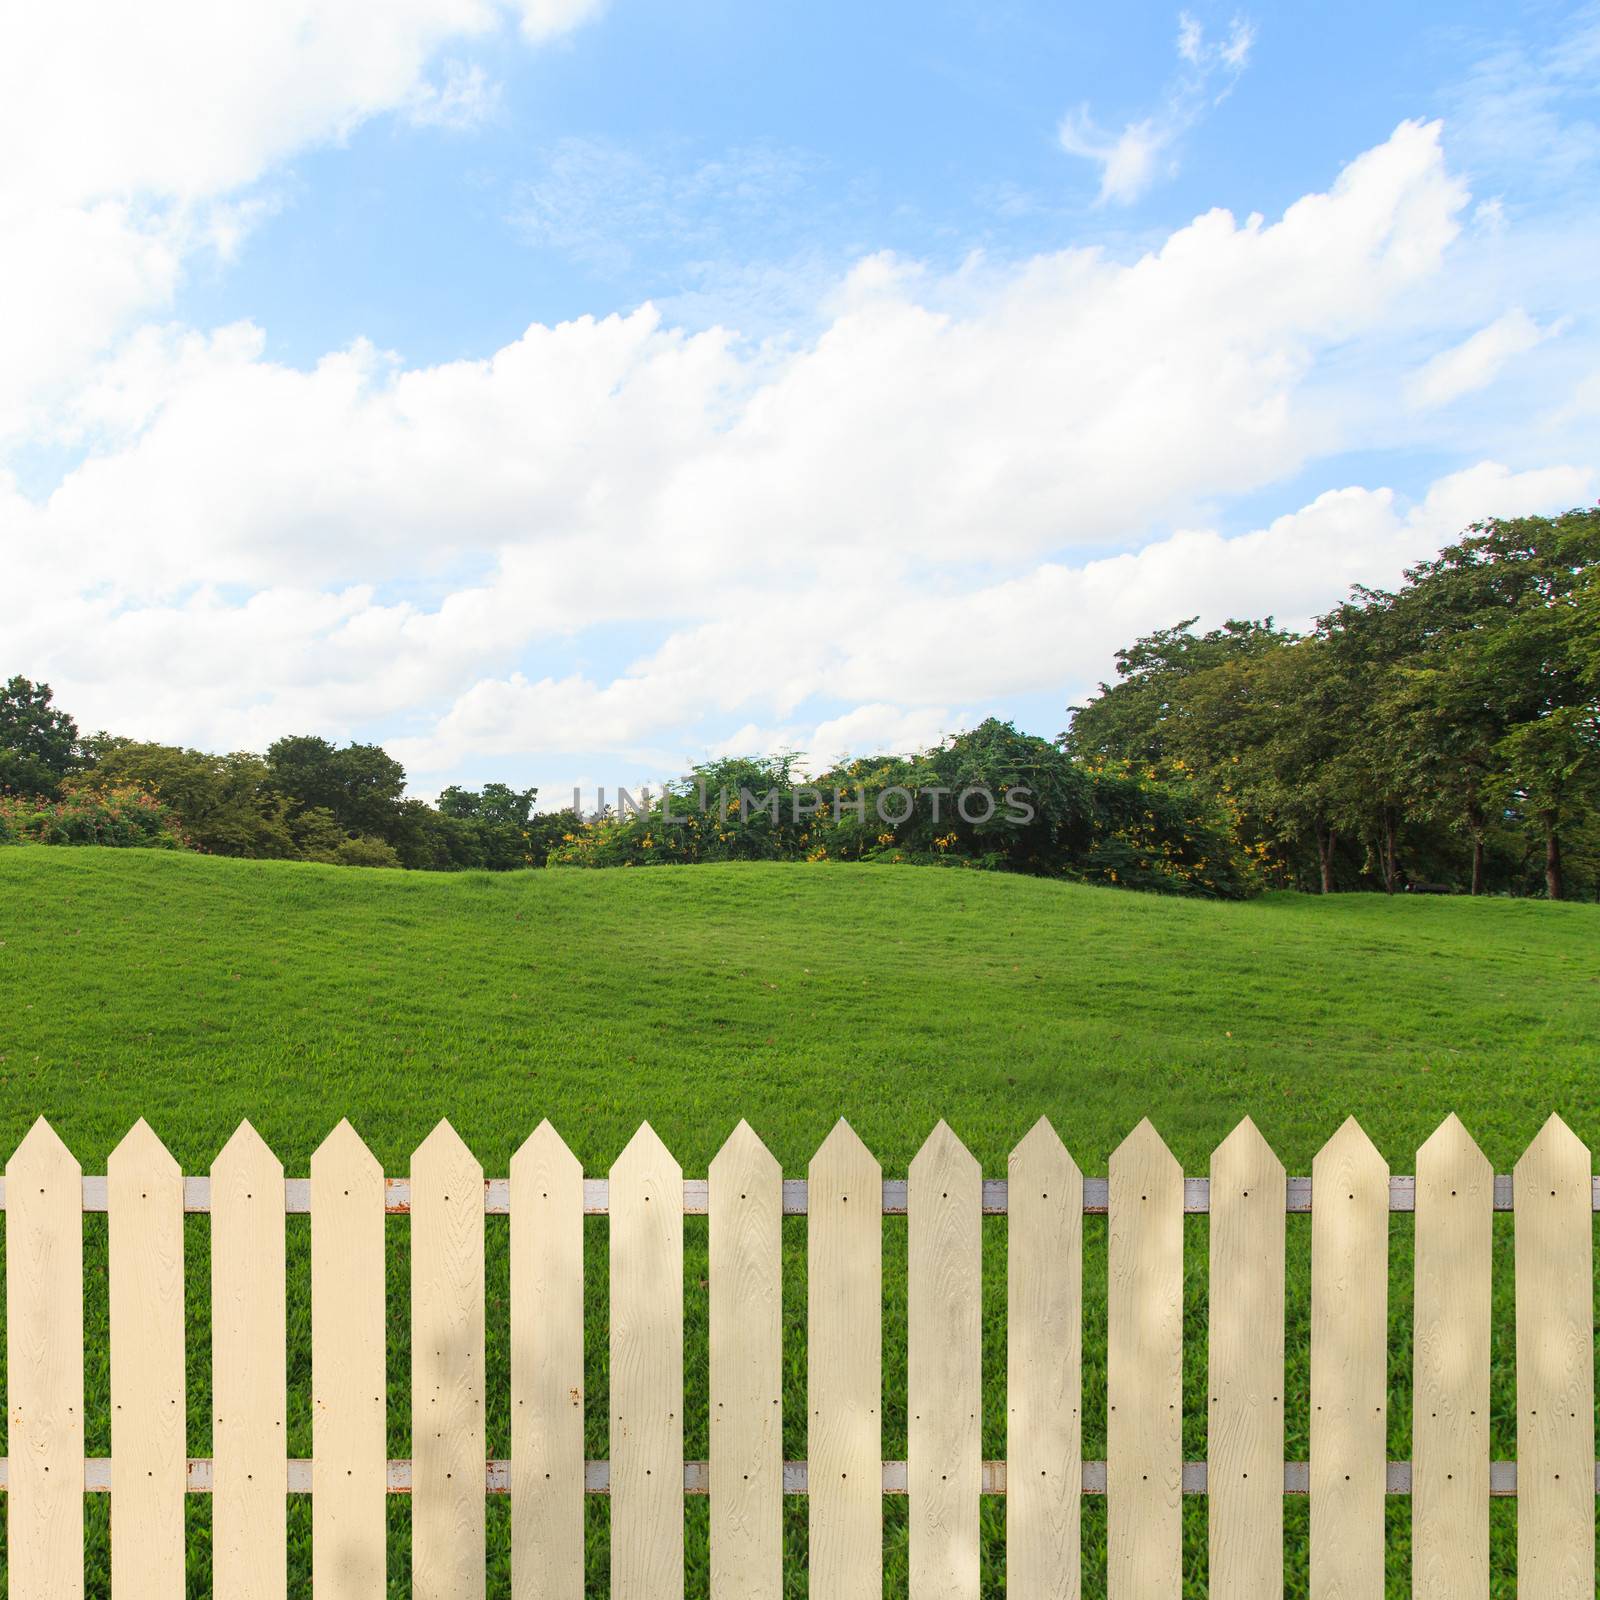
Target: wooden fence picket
{"points": [[349, 1378], [1555, 1368], [546, 1369], [1349, 1370], [448, 1446], [1044, 1369], [646, 1371], [844, 1363], [1144, 1371], [1449, 1479], [248, 1384], [144, 1202], [1450, 1388], [746, 1213], [1244, 1424], [944, 1366], [44, 1368]]}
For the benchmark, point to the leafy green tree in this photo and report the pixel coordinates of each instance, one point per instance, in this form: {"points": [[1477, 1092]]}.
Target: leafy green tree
{"points": [[1510, 625], [38, 741], [493, 828], [1132, 719], [361, 785], [1267, 730], [227, 803], [1552, 765], [498, 803]]}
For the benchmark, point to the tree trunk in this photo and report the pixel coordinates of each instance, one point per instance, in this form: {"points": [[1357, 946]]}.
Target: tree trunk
{"points": [[1554, 883], [1477, 862], [1325, 841], [1391, 865]]}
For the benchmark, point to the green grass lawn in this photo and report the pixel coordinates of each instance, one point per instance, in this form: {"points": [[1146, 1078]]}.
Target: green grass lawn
{"points": [[196, 992]]}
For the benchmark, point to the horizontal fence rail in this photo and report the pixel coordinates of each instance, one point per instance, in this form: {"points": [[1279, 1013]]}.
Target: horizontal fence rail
{"points": [[446, 1200], [796, 1477], [597, 1196]]}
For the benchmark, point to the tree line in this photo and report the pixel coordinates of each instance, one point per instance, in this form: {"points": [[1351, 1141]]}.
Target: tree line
{"points": [[1442, 736], [305, 799]]}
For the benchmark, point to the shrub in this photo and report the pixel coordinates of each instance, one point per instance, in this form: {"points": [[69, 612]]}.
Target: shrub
{"points": [[122, 815], [363, 850]]}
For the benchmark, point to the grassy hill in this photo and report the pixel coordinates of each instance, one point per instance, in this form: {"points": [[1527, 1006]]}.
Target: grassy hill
{"points": [[196, 991]]}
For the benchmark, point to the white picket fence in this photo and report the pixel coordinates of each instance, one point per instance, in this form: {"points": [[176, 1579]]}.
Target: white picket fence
{"points": [[1450, 1477]]}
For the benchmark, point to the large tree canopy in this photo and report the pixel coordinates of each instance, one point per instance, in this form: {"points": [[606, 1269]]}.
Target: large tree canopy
{"points": [[1449, 728], [38, 742]]}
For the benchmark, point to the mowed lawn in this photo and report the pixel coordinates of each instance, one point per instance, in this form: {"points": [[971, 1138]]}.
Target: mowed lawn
{"points": [[196, 992]]}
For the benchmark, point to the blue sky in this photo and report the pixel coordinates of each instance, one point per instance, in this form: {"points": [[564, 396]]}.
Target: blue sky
{"points": [[675, 154], [563, 392]]}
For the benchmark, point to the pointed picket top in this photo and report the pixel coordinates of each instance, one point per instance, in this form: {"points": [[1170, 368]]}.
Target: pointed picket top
{"points": [[247, 1154], [645, 1152], [1145, 1145], [344, 1150], [743, 1151], [1245, 1159], [42, 1154], [1041, 1158], [443, 1161], [1554, 1146], [844, 1145], [1349, 1150], [141, 1150], [1041, 1143], [1450, 1159], [544, 1151], [843, 1165], [943, 1159]]}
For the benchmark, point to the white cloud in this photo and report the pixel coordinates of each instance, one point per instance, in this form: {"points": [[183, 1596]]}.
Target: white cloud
{"points": [[1132, 161], [987, 415], [1476, 362], [862, 539], [1128, 160], [462, 100], [128, 131], [546, 19], [1191, 37]]}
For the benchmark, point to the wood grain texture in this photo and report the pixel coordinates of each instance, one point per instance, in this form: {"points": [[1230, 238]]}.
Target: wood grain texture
{"points": [[1349, 1402], [1044, 1370], [44, 1368], [1450, 1387], [844, 1364], [1245, 1398], [1144, 1371], [546, 1369], [448, 1445], [746, 1215], [248, 1342], [646, 1372], [944, 1366], [349, 1380], [1555, 1368], [149, 1469]]}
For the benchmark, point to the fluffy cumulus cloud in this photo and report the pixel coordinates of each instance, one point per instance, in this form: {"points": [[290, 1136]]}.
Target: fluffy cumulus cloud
{"points": [[962, 492]]}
